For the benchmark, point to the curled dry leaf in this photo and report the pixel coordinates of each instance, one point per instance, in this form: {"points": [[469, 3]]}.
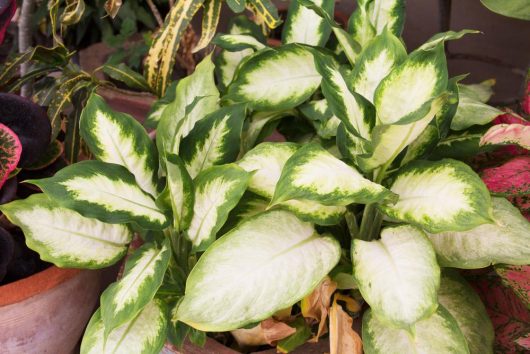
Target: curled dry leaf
{"points": [[342, 337], [316, 305], [267, 332], [112, 7], [507, 134]]}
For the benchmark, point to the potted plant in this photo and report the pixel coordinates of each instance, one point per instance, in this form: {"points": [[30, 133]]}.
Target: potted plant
{"points": [[354, 215]]}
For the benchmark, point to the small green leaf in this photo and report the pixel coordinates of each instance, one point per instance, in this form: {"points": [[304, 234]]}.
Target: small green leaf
{"points": [[128, 76], [471, 112], [322, 118]]}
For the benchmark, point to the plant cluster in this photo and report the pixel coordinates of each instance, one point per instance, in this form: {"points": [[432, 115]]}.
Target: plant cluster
{"points": [[364, 196]]}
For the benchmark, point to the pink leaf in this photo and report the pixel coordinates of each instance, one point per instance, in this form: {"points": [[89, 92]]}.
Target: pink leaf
{"points": [[510, 118], [518, 279], [10, 150], [507, 134], [7, 10]]}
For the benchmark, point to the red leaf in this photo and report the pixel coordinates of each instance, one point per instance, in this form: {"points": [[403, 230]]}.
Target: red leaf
{"points": [[518, 279], [510, 118], [10, 150], [507, 134], [7, 10]]}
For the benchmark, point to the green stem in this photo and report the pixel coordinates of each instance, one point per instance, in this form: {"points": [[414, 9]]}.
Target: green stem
{"points": [[371, 222]]}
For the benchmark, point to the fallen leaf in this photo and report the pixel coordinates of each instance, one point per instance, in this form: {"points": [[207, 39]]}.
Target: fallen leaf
{"points": [[268, 331], [342, 338], [316, 305]]}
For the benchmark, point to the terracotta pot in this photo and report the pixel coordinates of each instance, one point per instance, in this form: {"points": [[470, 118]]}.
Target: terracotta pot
{"points": [[48, 311]]}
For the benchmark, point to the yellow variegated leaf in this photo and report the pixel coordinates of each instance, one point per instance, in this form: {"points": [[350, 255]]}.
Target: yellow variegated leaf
{"points": [[210, 19]]}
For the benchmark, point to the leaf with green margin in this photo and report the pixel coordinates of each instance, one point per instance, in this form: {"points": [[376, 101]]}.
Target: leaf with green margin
{"points": [[196, 96], [178, 193], [387, 13], [507, 134], [303, 25], [461, 145], [142, 276], [463, 303], [128, 76], [512, 8], [354, 111], [249, 205], [321, 117], [217, 191], [265, 11], [350, 145], [359, 24], [271, 251], [376, 61], [210, 19], [214, 140], [237, 42], [445, 195], [157, 108], [10, 151], [443, 37], [405, 95], [65, 238], [433, 335], [104, 191], [398, 275], [507, 240], [471, 112], [481, 92], [313, 173], [117, 138], [275, 79], [144, 334]]}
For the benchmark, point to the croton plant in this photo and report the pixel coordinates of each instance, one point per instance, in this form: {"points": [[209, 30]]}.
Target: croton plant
{"points": [[363, 202]]}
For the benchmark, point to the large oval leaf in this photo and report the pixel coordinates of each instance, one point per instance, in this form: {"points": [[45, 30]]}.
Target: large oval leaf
{"points": [[440, 196], [303, 25], [276, 79], [143, 274], [457, 297], [104, 191], [471, 111], [511, 8], [265, 264], [313, 173], [118, 138], [507, 240], [398, 275], [144, 334], [65, 238], [436, 334]]}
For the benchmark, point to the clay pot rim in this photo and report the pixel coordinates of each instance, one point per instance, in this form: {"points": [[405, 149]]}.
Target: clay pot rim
{"points": [[35, 284]]}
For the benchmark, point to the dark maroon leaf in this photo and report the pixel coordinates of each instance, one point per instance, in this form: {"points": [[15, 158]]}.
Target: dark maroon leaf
{"points": [[7, 10]]}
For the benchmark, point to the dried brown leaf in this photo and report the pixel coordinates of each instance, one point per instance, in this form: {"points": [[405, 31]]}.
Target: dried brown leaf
{"points": [[316, 305], [342, 338]]}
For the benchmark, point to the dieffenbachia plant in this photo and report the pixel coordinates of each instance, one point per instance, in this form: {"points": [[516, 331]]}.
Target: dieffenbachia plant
{"points": [[236, 230]]}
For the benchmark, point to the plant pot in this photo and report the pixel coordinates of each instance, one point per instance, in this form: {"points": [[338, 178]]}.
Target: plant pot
{"points": [[48, 311]]}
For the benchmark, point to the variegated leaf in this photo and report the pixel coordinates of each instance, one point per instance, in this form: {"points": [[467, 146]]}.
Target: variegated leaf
{"points": [[161, 57], [217, 191], [439, 196], [128, 76], [65, 238], [406, 94], [459, 145], [73, 12], [179, 192], [237, 42], [313, 173], [350, 145], [436, 334], [236, 280], [387, 13], [118, 138], [443, 37], [104, 191], [146, 333], [142, 276], [355, 112], [256, 126], [359, 24], [507, 240], [266, 162], [210, 19], [214, 140], [507, 134], [472, 112], [303, 25], [10, 151], [265, 12], [463, 303], [276, 79], [376, 61], [322, 118], [398, 275], [196, 96]]}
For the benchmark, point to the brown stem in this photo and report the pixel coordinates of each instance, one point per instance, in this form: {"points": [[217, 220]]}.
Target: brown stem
{"points": [[155, 12], [25, 40]]}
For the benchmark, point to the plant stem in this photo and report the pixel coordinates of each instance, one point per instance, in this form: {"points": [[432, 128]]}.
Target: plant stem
{"points": [[24, 41], [155, 12], [371, 222]]}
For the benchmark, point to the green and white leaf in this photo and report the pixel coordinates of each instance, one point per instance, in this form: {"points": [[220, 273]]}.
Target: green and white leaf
{"points": [[276, 79], [256, 124], [236, 281], [143, 275], [65, 238], [398, 275], [217, 191], [179, 192], [480, 92], [436, 334], [196, 96], [387, 13], [355, 112], [313, 173], [210, 20], [406, 94], [303, 25], [214, 140], [376, 61], [144, 334], [445, 195], [104, 191], [359, 24], [350, 145], [507, 240], [322, 118], [472, 112], [118, 138], [237, 42], [461, 300]]}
